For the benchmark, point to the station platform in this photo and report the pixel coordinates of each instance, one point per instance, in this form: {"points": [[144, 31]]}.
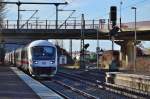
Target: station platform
{"points": [[14, 84], [130, 80]]}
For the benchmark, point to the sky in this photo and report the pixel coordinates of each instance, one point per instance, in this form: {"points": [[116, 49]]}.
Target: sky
{"points": [[92, 9]]}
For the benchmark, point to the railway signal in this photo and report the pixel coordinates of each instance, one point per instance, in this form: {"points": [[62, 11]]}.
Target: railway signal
{"points": [[114, 31], [113, 15]]}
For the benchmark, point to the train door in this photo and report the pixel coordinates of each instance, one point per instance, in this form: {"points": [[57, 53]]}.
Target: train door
{"points": [[24, 59], [18, 58]]}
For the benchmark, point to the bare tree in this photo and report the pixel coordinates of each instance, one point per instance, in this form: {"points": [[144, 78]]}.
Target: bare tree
{"points": [[2, 8]]}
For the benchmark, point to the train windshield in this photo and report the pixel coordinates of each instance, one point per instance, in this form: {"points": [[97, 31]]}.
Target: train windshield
{"points": [[43, 53]]}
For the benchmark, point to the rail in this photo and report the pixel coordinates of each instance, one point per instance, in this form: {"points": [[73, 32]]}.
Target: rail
{"points": [[122, 90]]}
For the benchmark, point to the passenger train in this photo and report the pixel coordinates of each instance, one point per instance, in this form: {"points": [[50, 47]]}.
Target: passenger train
{"points": [[39, 58]]}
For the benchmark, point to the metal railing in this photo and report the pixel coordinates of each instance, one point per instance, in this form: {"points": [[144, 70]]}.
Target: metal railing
{"points": [[50, 24], [102, 24]]}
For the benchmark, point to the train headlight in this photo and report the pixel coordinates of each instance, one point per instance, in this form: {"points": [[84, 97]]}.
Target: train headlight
{"points": [[35, 62], [52, 61]]}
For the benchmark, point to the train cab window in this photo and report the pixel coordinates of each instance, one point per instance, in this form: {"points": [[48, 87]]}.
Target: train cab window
{"points": [[43, 52], [23, 54], [17, 55]]}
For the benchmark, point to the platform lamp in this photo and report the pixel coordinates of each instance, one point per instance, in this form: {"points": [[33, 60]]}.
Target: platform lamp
{"points": [[121, 15], [135, 37]]}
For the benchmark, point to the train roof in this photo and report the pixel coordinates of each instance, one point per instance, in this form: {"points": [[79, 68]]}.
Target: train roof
{"points": [[40, 43]]}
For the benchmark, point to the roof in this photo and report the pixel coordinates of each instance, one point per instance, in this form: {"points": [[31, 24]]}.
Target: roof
{"points": [[40, 43]]}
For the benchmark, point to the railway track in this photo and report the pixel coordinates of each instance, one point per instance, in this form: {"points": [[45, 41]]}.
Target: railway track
{"points": [[75, 86], [123, 91], [78, 89], [67, 91]]}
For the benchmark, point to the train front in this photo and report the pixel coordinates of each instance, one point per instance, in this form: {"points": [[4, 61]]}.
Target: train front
{"points": [[43, 61]]}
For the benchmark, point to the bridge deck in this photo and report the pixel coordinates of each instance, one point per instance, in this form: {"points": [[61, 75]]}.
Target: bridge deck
{"points": [[70, 34]]}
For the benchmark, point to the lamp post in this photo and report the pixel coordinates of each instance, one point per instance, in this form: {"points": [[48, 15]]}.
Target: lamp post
{"points": [[97, 48], [120, 13], [135, 37]]}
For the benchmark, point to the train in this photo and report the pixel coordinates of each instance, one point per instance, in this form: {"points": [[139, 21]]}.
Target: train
{"points": [[2, 55], [38, 58]]}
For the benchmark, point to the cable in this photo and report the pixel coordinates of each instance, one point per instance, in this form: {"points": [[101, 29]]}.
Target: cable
{"points": [[136, 3], [62, 7], [68, 3]]}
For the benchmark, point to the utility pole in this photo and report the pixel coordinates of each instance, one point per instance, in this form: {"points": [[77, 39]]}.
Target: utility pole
{"points": [[56, 15], [97, 48], [18, 19], [82, 53], [70, 50]]}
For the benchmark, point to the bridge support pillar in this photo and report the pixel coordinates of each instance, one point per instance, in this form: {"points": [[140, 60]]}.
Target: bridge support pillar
{"points": [[127, 54]]}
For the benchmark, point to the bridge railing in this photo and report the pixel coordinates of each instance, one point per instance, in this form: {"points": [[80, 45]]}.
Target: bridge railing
{"points": [[102, 24], [50, 24]]}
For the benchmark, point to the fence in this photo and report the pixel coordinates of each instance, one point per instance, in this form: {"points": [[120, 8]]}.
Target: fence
{"points": [[51, 24]]}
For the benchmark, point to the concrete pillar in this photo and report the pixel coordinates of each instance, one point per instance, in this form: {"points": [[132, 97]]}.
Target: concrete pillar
{"points": [[126, 53], [130, 51]]}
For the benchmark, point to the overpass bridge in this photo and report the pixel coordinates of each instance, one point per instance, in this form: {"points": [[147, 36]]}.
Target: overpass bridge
{"points": [[71, 29]]}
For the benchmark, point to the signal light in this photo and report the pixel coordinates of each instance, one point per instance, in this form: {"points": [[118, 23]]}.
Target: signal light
{"points": [[114, 31], [86, 46], [113, 13]]}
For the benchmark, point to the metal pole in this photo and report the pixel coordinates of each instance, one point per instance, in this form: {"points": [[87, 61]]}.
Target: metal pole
{"points": [[46, 24], [93, 23], [112, 39], [135, 38], [120, 14], [97, 48], [75, 24], [7, 24], [83, 27], [66, 18], [135, 42], [56, 16], [82, 63], [19, 3], [36, 22], [71, 48], [18, 19], [108, 24]]}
